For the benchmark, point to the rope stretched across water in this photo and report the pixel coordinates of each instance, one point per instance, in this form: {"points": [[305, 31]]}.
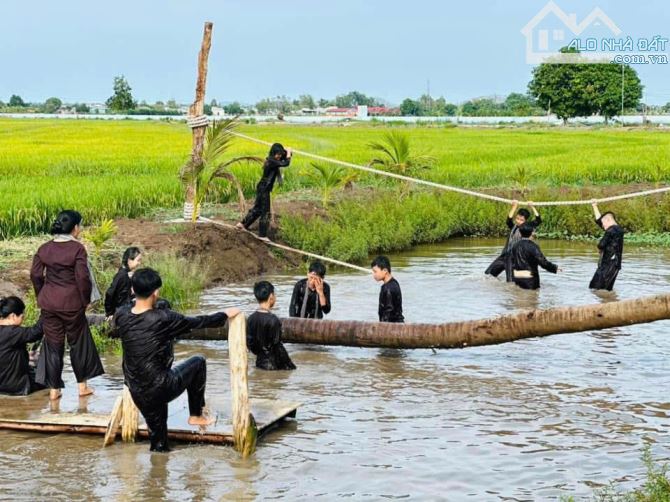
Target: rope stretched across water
{"points": [[463, 191]]}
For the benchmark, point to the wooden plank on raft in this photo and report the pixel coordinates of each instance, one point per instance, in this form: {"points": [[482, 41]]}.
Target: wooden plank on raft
{"points": [[268, 413]]}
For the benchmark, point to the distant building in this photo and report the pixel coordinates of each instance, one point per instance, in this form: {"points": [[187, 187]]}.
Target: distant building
{"points": [[218, 111], [97, 108], [335, 111]]}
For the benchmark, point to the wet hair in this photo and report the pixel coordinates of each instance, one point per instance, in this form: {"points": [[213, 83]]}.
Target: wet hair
{"points": [[318, 268], [11, 305], [263, 290], [277, 148], [145, 281], [381, 262], [130, 254], [523, 212], [526, 230], [65, 222], [608, 213]]}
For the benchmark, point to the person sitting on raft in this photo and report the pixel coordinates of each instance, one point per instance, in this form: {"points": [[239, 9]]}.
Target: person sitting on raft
{"points": [[17, 378], [120, 292], [611, 251], [515, 219], [277, 158], [390, 296], [147, 335], [264, 332], [311, 296], [525, 257]]}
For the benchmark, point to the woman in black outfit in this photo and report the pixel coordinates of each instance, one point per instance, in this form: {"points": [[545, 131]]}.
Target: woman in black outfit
{"points": [[120, 292]]}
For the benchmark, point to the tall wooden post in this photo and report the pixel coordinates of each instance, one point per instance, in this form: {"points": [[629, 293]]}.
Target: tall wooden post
{"points": [[245, 432], [197, 109]]}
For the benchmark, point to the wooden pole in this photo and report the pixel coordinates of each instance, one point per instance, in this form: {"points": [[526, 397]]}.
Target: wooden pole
{"points": [[453, 335], [197, 109], [245, 432]]}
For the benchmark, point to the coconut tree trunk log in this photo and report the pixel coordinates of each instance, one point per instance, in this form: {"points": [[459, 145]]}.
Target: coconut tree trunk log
{"points": [[502, 329]]}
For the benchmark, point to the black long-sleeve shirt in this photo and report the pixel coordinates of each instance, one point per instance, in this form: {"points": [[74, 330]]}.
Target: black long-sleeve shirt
{"points": [[270, 173], [264, 340], [119, 292], [148, 345], [611, 247], [526, 256], [514, 235], [313, 309], [390, 302], [14, 361]]}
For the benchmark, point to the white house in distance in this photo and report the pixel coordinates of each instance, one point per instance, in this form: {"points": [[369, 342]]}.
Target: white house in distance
{"points": [[551, 29]]}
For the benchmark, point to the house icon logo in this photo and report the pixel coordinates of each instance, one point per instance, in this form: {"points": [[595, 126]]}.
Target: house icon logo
{"points": [[552, 28]]}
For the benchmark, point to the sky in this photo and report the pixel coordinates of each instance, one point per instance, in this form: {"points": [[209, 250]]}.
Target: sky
{"points": [[390, 49]]}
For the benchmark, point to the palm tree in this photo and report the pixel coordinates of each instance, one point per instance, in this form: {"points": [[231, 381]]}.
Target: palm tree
{"points": [[330, 178], [218, 140], [397, 156]]}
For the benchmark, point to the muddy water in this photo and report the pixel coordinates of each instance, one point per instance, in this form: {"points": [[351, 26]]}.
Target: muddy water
{"points": [[532, 420]]}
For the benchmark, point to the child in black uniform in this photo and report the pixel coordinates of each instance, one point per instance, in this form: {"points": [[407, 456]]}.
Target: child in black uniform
{"points": [[611, 251], [390, 296], [264, 332], [277, 158]]}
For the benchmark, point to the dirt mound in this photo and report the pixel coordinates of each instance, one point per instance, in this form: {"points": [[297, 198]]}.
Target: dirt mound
{"points": [[228, 255]]}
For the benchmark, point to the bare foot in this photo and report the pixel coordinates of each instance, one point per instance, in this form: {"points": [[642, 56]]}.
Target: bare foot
{"points": [[85, 390], [201, 420], [239, 226], [55, 394]]}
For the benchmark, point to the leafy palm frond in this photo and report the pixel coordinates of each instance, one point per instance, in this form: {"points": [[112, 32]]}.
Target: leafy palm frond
{"points": [[201, 175], [328, 178]]}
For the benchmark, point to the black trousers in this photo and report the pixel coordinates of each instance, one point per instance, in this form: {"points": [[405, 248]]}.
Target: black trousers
{"points": [[73, 326], [604, 278], [189, 376], [499, 265], [260, 210]]}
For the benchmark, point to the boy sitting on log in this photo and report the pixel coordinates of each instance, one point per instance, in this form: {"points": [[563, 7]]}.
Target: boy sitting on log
{"points": [[147, 335], [264, 332], [611, 251], [390, 296], [515, 219], [525, 257]]}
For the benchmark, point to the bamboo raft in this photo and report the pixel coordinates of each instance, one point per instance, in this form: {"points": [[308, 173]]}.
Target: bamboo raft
{"points": [[267, 413]]}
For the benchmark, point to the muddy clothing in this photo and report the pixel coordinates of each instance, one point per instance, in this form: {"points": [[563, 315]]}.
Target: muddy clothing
{"points": [[120, 292], [264, 341], [308, 307], [611, 255], [390, 302], [62, 282], [501, 262], [16, 376], [148, 353], [524, 260], [261, 208]]}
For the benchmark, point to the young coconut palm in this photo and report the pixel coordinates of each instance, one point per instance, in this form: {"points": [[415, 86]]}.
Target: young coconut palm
{"points": [[328, 178], [218, 140], [397, 156]]}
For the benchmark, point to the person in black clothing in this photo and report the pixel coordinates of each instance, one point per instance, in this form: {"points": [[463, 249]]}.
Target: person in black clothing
{"points": [[277, 158], [17, 378], [514, 220], [390, 297], [147, 335], [311, 296], [525, 257], [611, 251], [264, 332], [120, 292]]}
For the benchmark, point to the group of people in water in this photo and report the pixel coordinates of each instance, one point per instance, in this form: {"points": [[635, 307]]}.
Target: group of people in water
{"points": [[147, 326]]}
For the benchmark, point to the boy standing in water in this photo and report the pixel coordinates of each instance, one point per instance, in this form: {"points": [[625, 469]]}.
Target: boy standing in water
{"points": [[611, 250], [148, 335], [277, 158], [264, 332], [311, 296], [515, 219], [390, 296], [524, 258]]}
